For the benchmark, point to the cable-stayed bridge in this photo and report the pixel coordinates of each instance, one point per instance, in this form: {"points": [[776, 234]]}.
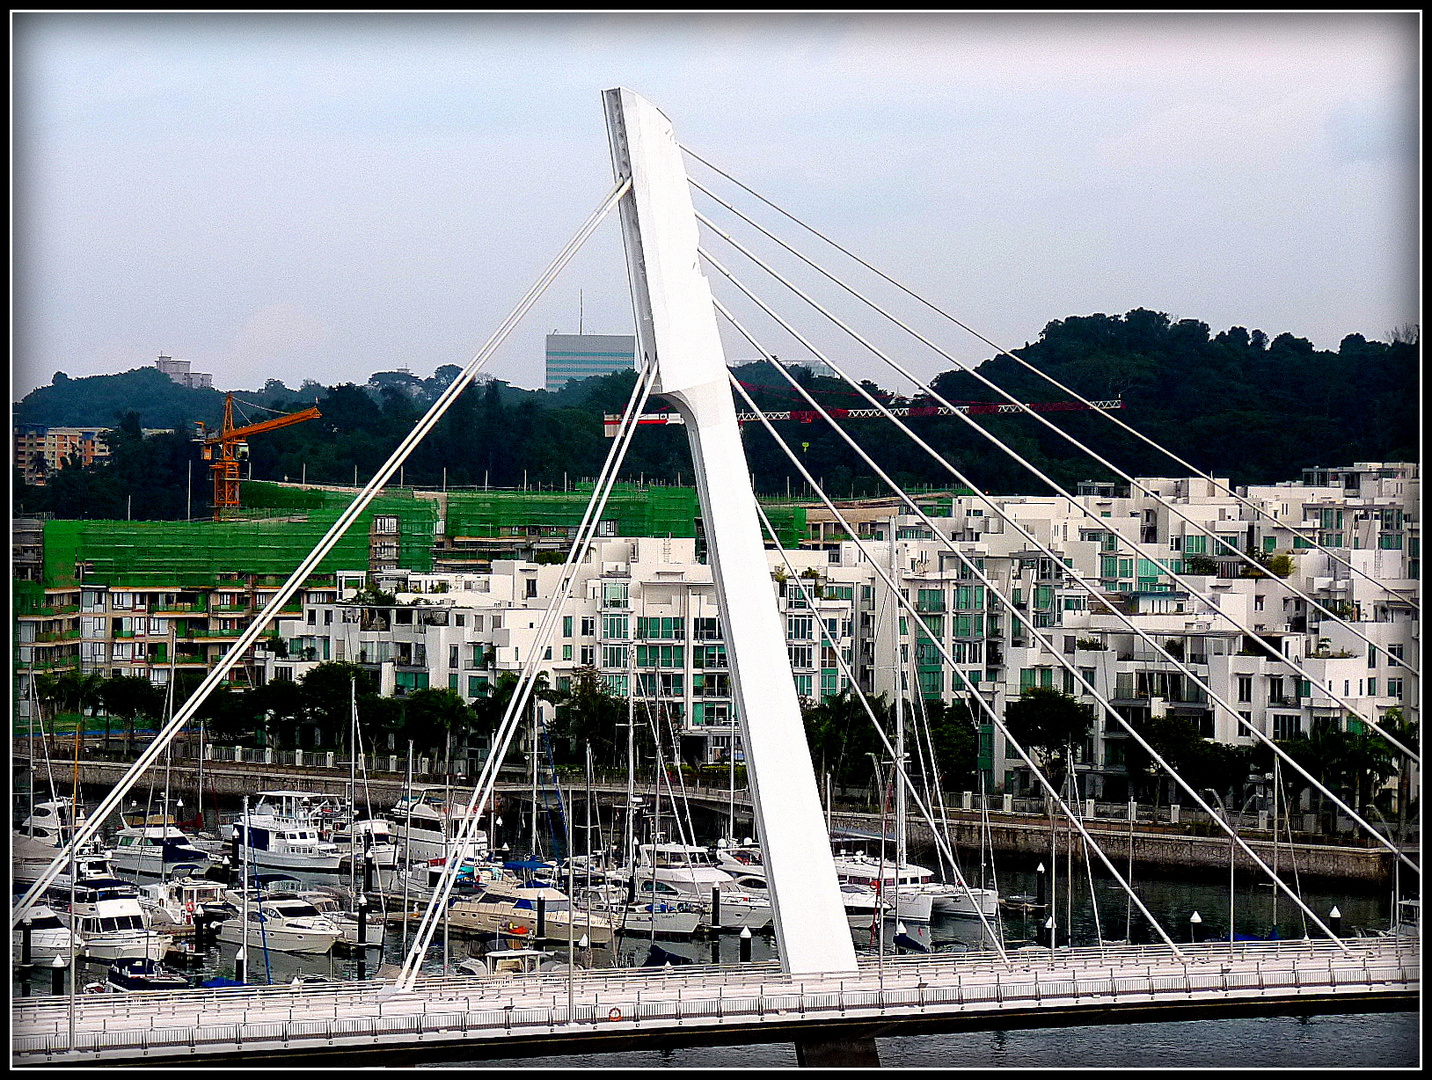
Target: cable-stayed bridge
{"points": [[366, 1023], [821, 995]]}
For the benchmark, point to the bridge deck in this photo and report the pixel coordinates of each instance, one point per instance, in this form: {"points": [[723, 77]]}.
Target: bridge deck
{"points": [[494, 1016]]}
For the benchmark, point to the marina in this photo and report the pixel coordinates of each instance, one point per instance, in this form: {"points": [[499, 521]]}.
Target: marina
{"points": [[503, 908]]}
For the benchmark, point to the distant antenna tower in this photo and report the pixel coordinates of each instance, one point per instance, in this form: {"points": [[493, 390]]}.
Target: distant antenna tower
{"points": [[579, 311]]}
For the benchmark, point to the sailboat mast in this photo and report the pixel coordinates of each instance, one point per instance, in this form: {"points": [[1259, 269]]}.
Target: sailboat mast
{"points": [[898, 671], [631, 769], [353, 783]]}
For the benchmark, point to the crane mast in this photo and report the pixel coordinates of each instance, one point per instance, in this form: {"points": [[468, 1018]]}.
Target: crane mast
{"points": [[229, 445]]}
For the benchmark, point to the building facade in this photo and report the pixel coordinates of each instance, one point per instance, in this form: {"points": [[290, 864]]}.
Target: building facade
{"points": [[643, 613], [580, 356]]}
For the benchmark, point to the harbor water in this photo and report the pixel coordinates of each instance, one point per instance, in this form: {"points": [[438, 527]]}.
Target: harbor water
{"points": [[1371, 1040]]}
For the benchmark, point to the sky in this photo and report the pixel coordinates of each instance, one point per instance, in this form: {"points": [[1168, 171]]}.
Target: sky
{"points": [[322, 196]]}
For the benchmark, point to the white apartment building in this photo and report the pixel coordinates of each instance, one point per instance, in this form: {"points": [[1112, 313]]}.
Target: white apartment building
{"points": [[643, 612]]}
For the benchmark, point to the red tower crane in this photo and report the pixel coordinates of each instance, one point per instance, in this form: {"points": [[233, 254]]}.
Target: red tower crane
{"points": [[808, 416], [228, 446]]}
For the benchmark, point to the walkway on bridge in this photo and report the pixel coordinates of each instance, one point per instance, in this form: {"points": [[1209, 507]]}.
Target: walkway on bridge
{"points": [[476, 1017]]}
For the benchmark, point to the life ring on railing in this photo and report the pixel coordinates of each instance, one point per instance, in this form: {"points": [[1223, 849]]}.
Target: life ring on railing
{"points": [[614, 1014], [189, 911]]}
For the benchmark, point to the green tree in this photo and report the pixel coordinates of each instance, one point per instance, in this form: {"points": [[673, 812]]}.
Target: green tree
{"points": [[328, 690], [589, 714], [130, 697], [437, 718], [1048, 724]]}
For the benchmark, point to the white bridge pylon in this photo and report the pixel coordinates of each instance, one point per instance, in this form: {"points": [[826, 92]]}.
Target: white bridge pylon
{"points": [[676, 332]]}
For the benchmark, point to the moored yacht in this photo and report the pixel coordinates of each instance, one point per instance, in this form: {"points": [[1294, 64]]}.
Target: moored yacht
{"points": [[687, 872], [49, 936], [506, 907], [901, 885], [282, 833], [281, 922], [108, 916], [425, 827], [154, 850]]}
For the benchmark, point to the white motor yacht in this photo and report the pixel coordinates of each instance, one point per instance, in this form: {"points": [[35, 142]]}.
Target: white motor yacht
{"points": [[746, 864], [49, 936], [173, 905], [154, 850], [666, 872], [901, 885], [510, 908], [364, 837], [108, 916], [425, 827], [280, 922], [282, 833]]}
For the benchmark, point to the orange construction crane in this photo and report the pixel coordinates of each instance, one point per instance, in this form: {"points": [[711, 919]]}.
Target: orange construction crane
{"points": [[228, 447]]}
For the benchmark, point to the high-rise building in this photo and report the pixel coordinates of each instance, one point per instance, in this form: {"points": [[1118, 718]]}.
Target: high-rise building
{"points": [[580, 356]]}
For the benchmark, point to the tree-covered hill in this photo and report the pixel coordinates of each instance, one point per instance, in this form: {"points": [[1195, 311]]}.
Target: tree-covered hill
{"points": [[1233, 403]]}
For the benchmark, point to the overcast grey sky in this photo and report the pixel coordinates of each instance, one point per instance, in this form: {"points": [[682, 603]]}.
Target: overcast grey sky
{"points": [[324, 196]]}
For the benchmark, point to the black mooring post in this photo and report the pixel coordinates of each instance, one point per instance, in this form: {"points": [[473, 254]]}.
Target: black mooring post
{"points": [[368, 871], [745, 944], [26, 933], [362, 923], [1039, 881], [57, 977], [541, 917], [715, 907]]}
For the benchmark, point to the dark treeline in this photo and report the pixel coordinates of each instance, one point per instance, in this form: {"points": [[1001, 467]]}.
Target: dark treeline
{"points": [[1233, 403]]}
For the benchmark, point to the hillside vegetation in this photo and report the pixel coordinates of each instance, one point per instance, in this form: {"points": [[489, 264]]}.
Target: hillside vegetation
{"points": [[1233, 403]]}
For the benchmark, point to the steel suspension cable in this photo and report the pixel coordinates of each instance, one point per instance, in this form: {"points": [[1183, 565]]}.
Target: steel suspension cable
{"points": [[335, 532], [1100, 698], [1021, 361], [1169, 504], [1137, 548], [920, 622], [482, 790], [941, 842], [1178, 662]]}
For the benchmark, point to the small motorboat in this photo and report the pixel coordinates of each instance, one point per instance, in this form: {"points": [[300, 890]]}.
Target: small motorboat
{"points": [[128, 976]]}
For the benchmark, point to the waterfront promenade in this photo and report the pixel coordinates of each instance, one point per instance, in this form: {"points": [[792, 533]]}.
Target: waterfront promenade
{"points": [[1170, 839]]}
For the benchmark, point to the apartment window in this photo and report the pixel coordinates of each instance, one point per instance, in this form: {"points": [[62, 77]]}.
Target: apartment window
{"points": [[312, 617], [1275, 689], [589, 655], [614, 656], [1394, 688], [452, 682], [461, 620], [1258, 603], [614, 594], [706, 629], [803, 685], [614, 626], [452, 657], [1394, 656], [1286, 726], [566, 626], [1372, 688], [802, 656], [1372, 656], [616, 683], [799, 627], [566, 652], [1195, 545], [1245, 688], [531, 587], [589, 626]]}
